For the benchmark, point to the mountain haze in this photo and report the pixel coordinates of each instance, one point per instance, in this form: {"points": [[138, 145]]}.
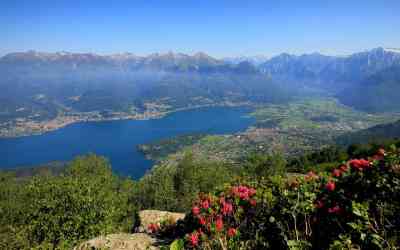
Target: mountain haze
{"points": [[44, 84], [41, 85]]}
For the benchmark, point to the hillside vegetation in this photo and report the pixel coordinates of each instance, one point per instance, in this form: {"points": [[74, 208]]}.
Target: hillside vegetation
{"points": [[248, 206]]}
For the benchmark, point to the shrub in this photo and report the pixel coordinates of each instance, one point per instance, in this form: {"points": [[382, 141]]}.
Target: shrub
{"points": [[56, 212], [353, 207]]}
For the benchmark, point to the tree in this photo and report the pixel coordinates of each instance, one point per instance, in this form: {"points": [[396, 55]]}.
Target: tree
{"points": [[259, 166]]}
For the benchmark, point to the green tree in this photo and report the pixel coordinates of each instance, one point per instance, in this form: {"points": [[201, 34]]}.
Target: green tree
{"points": [[85, 202], [259, 166]]}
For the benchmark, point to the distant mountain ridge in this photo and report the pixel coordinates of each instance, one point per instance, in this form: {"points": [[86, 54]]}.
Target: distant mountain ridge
{"points": [[368, 80], [355, 65], [330, 70], [40, 84], [256, 60]]}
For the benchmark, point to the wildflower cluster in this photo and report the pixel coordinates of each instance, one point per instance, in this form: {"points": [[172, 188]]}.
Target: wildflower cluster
{"points": [[218, 216], [351, 200], [354, 206]]}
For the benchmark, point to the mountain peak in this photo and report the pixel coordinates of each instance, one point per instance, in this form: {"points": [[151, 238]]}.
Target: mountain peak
{"points": [[201, 55], [394, 50]]}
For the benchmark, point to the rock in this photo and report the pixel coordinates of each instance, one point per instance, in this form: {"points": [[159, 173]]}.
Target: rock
{"points": [[155, 216], [138, 241]]}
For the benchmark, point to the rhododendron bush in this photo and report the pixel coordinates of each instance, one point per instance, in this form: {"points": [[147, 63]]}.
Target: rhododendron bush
{"points": [[355, 206]]}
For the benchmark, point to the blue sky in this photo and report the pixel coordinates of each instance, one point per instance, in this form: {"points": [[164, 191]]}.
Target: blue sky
{"points": [[219, 28]]}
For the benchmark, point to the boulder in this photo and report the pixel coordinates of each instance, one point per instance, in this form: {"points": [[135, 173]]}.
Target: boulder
{"points": [[136, 241], [155, 216], [122, 241]]}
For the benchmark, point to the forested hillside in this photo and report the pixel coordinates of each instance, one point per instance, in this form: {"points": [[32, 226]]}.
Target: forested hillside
{"points": [[373, 134]]}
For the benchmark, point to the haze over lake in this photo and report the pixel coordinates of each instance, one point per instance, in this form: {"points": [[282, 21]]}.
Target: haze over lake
{"points": [[118, 140]]}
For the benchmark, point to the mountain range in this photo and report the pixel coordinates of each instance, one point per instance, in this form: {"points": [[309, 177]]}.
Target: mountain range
{"points": [[38, 84], [41, 85]]}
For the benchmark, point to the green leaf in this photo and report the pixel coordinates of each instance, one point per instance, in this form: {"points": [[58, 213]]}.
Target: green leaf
{"points": [[177, 245]]}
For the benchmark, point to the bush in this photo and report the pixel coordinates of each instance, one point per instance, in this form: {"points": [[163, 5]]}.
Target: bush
{"points": [[353, 207], [59, 211], [173, 188]]}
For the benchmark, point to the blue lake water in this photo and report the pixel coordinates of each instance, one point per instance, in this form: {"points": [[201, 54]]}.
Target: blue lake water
{"points": [[118, 140]]}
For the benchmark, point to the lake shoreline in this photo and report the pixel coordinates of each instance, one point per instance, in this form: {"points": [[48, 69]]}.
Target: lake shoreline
{"points": [[118, 140], [64, 121]]}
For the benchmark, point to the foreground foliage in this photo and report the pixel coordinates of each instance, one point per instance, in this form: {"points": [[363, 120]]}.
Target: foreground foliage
{"points": [[338, 204], [353, 207], [58, 211]]}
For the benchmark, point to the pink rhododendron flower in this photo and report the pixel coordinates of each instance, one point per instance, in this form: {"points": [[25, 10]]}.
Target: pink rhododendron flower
{"points": [[311, 176], [202, 220], [336, 172], [252, 191], [219, 224], [205, 204], [227, 208], [196, 210], [359, 164], [330, 186], [253, 202], [231, 232], [377, 157], [344, 168], [243, 192], [153, 228], [335, 209], [319, 204], [194, 239]]}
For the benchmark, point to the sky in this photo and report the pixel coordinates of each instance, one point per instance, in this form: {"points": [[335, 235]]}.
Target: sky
{"points": [[219, 28]]}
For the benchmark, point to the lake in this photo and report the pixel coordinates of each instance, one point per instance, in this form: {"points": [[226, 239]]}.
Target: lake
{"points": [[118, 140]]}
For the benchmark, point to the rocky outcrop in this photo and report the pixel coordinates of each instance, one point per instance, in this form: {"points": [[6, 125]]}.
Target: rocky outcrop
{"points": [[155, 216], [137, 241]]}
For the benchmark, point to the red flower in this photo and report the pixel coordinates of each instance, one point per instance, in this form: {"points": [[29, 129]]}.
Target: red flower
{"points": [[336, 209], [196, 210], [253, 202], [202, 220], [311, 176], [219, 224], [243, 192], [344, 168], [336, 172], [194, 239], [319, 204], [152, 227], [227, 208], [252, 191], [205, 204], [359, 164], [377, 157], [231, 232], [330, 186]]}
